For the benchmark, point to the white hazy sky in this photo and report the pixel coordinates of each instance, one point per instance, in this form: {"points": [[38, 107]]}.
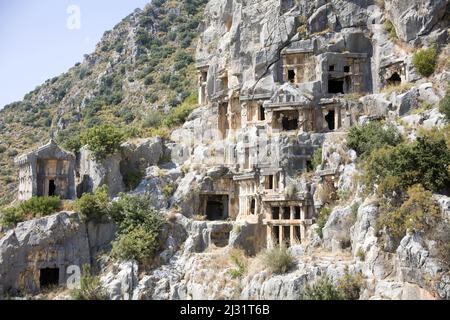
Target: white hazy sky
{"points": [[39, 39]]}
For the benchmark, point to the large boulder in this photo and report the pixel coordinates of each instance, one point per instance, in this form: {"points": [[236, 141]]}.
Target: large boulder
{"points": [[140, 154], [97, 172], [38, 248], [336, 232], [376, 105], [121, 280]]}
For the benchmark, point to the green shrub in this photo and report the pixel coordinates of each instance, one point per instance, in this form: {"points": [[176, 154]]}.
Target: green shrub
{"points": [[316, 159], [240, 268], [278, 259], [132, 179], [444, 106], [138, 244], [131, 211], [390, 29], [152, 119], [371, 136], [419, 212], [179, 114], [322, 219], [90, 287], [103, 140], [321, 289], [10, 217], [423, 162], [37, 207], [361, 254], [425, 61], [168, 190], [94, 207], [72, 143], [149, 80], [138, 225], [349, 286]]}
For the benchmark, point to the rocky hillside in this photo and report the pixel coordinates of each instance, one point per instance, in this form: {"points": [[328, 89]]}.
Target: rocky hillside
{"points": [[145, 63]]}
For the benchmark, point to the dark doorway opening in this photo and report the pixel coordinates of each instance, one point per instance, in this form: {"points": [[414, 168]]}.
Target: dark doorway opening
{"points": [[335, 86], [270, 186], [291, 76], [217, 208], [331, 68], [297, 213], [329, 118], [394, 80], [49, 277], [51, 188], [287, 236], [275, 213], [346, 69], [276, 235], [286, 213], [289, 124], [253, 207], [262, 114]]}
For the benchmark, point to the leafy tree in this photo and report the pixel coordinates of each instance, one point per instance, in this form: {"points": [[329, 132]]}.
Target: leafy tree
{"points": [[131, 211], [425, 61], [138, 244], [94, 207], [103, 140], [419, 212], [371, 136], [423, 162]]}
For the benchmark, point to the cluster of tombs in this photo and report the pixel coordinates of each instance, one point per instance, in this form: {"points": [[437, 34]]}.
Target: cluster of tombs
{"points": [[307, 100], [257, 187]]}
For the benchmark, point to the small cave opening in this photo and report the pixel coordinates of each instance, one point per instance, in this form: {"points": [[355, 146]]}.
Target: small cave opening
{"points": [[289, 124], [291, 76], [48, 277], [336, 86], [330, 119], [346, 69], [217, 208], [221, 237], [51, 188], [331, 68], [394, 80]]}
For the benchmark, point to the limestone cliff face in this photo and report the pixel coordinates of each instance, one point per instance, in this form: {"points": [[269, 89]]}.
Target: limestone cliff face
{"points": [[278, 80]]}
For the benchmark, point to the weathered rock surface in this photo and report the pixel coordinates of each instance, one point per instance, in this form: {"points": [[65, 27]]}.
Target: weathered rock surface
{"points": [[56, 242]]}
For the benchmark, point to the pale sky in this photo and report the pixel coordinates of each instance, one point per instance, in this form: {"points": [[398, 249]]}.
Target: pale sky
{"points": [[40, 39]]}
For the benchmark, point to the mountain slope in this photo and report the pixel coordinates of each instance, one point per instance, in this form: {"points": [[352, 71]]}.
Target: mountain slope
{"points": [[145, 63]]}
